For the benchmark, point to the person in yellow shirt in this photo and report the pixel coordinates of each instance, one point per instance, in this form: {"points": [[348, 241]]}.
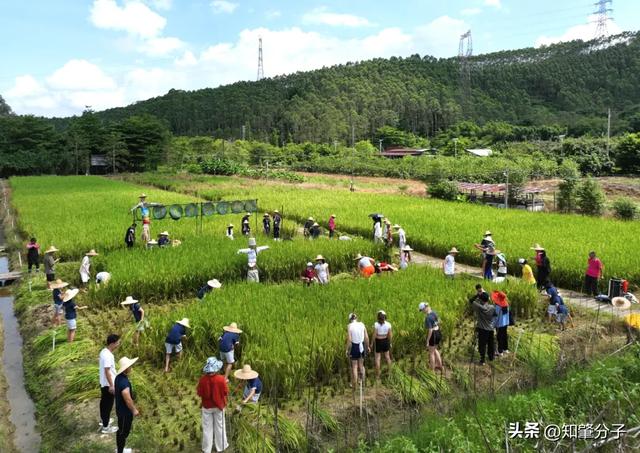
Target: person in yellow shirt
{"points": [[527, 272]]}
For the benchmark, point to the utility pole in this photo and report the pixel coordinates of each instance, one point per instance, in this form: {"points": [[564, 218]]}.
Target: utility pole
{"points": [[353, 135], [506, 190], [608, 131], [113, 155], [455, 147], [260, 60], [603, 17], [244, 129], [335, 146], [380, 140], [465, 51]]}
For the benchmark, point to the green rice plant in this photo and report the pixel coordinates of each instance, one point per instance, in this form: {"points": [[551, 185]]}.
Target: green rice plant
{"points": [[409, 389], [328, 422], [66, 353], [539, 351]]}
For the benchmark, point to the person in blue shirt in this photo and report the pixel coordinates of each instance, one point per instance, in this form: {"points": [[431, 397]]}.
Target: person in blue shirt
{"points": [[138, 317], [70, 313], [502, 309], [163, 240], [208, 287], [253, 385], [434, 336], [227, 343], [173, 342], [277, 219], [124, 399], [563, 315], [266, 223], [58, 293]]}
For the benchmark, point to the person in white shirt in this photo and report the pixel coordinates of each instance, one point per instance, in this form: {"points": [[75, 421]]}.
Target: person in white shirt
{"points": [[107, 370], [405, 257], [102, 277], [382, 335], [85, 266], [402, 237], [322, 270], [449, 263], [502, 264], [377, 232], [229, 233], [357, 347], [253, 274]]}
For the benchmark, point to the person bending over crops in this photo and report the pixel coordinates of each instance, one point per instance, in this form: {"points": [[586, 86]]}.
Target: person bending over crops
{"points": [[322, 270], [253, 274], [308, 276], [306, 228], [253, 385], [85, 266], [227, 343], [485, 314], [57, 288], [381, 340], [208, 287], [130, 235], [102, 277], [70, 313], [527, 272], [434, 336], [107, 370], [555, 300], [366, 265], [173, 342], [502, 308], [125, 406], [357, 347], [138, 317], [563, 315], [213, 391], [595, 268], [33, 254]]}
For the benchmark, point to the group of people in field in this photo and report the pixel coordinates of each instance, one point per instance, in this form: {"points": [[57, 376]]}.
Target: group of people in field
{"points": [[492, 313]]}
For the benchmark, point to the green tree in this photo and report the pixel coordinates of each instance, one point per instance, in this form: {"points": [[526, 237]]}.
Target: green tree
{"points": [[5, 110], [146, 139], [628, 154], [625, 208], [590, 198]]}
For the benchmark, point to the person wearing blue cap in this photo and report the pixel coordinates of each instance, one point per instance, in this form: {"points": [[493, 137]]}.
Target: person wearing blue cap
{"points": [[213, 391]]}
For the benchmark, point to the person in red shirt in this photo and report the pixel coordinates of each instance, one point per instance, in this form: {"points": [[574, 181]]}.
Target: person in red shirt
{"points": [[593, 274], [213, 390], [308, 275], [332, 225]]}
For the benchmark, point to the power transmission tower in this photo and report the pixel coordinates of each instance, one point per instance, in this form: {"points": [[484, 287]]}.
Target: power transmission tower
{"points": [[603, 17], [465, 51], [260, 61]]}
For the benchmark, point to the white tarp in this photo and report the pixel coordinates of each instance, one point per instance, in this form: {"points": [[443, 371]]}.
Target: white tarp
{"points": [[480, 152]]}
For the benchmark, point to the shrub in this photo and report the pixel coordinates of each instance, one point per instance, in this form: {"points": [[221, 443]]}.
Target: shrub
{"points": [[625, 209], [590, 198], [217, 166], [444, 190]]}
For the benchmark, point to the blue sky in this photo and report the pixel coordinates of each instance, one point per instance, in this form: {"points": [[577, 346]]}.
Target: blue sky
{"points": [[60, 55]]}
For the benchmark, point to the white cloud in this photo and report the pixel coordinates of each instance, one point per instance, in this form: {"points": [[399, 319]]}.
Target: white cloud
{"points": [[585, 32], [223, 6], [470, 11], [134, 17], [161, 4], [158, 47], [494, 3], [323, 17], [78, 83]]}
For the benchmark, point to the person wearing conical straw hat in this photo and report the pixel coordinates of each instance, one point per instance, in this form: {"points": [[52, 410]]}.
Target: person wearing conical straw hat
{"points": [[57, 289], [314, 231], [227, 343], [85, 266], [244, 223], [173, 342], [381, 340], [213, 392], [543, 264], [332, 226], [107, 376], [70, 313], [138, 317], [253, 274], [208, 287], [322, 270], [501, 262], [125, 398], [163, 239], [306, 228], [405, 256], [277, 220], [229, 231], [449, 263], [252, 385], [357, 347], [366, 265], [387, 233], [402, 237], [266, 223], [49, 264]]}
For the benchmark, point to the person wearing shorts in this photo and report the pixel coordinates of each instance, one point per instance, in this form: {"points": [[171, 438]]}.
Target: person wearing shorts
{"points": [[57, 289], [382, 335], [227, 343], [434, 337], [357, 347], [138, 317], [70, 313], [173, 342], [365, 265]]}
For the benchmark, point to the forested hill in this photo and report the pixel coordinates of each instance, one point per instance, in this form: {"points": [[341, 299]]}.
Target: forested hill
{"points": [[571, 84]]}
